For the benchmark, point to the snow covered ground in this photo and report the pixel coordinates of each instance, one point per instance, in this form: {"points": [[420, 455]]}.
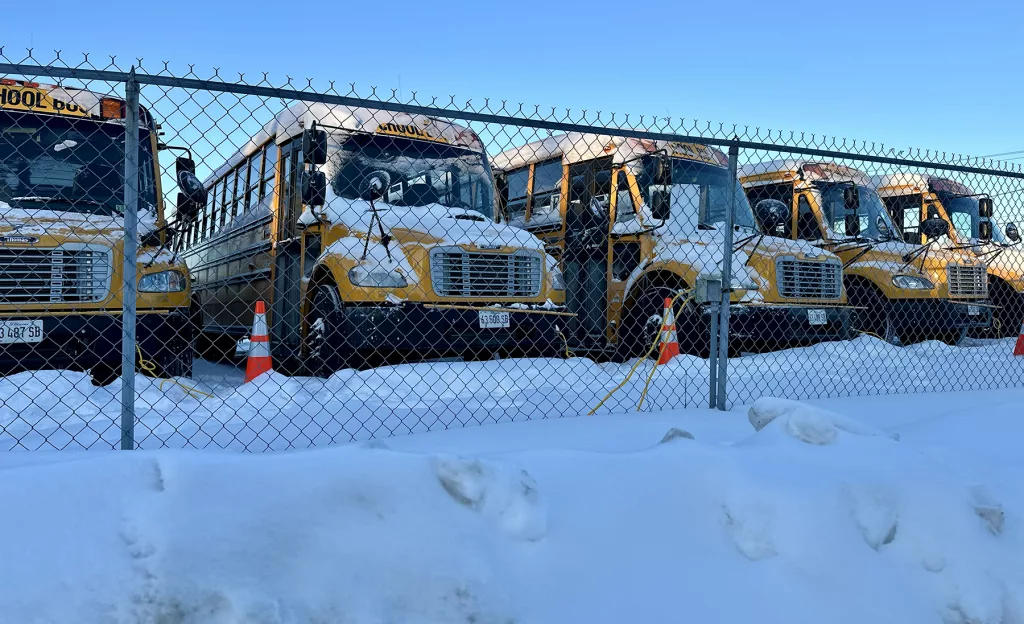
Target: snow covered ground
{"points": [[871, 509], [61, 409]]}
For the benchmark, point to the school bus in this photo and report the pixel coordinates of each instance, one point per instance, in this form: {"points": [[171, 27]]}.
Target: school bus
{"points": [[912, 197], [904, 292], [635, 221], [62, 237], [371, 235]]}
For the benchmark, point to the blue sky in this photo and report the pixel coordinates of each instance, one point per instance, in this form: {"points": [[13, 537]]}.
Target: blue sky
{"points": [[937, 75]]}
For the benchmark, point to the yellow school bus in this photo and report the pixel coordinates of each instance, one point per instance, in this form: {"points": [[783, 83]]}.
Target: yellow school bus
{"points": [[912, 197], [635, 221], [904, 292], [371, 234], [62, 237]]}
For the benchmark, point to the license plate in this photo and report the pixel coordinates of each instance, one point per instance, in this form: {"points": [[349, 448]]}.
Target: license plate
{"points": [[12, 332], [973, 310], [817, 317], [489, 319]]}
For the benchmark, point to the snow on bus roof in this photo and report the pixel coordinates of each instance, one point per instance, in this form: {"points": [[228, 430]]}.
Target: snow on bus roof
{"points": [[904, 183], [293, 120], [808, 169], [576, 147]]}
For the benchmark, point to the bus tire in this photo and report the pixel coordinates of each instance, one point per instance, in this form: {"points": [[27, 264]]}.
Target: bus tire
{"points": [[1008, 315], [104, 374], [325, 346], [870, 314], [640, 329], [216, 347]]}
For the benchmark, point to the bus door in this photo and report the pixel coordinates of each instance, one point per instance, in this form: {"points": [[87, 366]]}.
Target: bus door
{"points": [[586, 249], [625, 251], [286, 317]]}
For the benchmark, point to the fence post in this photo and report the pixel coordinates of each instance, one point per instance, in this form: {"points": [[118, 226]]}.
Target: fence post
{"points": [[128, 267], [723, 320]]}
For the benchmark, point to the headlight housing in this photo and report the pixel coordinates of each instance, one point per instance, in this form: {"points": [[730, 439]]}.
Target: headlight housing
{"points": [[376, 278], [912, 282], [162, 282], [556, 279]]}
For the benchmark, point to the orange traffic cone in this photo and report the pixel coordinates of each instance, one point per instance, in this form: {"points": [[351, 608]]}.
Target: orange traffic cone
{"points": [[1019, 348], [669, 341], [258, 361]]}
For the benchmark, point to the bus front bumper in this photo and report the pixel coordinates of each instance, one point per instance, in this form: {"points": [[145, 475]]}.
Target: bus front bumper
{"points": [[931, 316], [79, 342], [447, 328], [767, 325]]}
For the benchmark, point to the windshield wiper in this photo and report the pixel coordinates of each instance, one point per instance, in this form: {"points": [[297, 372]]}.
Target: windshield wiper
{"points": [[42, 199]]}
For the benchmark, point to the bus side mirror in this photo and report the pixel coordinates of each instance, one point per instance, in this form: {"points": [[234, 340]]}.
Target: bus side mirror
{"points": [[851, 199], [852, 225], [314, 188], [192, 194], [935, 227], [314, 146], [985, 207], [985, 231], [1012, 232], [660, 208]]}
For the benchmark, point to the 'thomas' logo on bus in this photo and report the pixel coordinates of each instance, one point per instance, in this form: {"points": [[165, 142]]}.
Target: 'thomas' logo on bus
{"points": [[408, 130]]}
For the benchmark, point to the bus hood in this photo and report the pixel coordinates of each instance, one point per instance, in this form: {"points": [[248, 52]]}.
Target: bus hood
{"points": [[429, 225], [34, 223]]}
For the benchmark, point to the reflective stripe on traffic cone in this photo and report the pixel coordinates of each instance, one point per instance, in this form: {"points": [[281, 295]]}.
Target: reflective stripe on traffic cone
{"points": [[1019, 348], [669, 341], [258, 361]]}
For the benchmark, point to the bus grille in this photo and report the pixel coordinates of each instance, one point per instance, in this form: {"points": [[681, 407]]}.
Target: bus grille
{"points": [[456, 272], [803, 279], [79, 274], [967, 281]]}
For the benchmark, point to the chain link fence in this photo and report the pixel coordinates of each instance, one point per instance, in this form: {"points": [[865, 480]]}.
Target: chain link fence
{"points": [[304, 264]]}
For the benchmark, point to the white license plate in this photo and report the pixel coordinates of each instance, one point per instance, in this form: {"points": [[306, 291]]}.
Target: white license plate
{"points": [[12, 332], [973, 310], [489, 319], [817, 317]]}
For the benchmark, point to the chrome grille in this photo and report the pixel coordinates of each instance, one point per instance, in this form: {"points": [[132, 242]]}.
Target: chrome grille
{"points": [[967, 281], [805, 279], [456, 272], [66, 274]]}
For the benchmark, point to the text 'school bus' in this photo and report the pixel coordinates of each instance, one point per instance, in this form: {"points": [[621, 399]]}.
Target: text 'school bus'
{"points": [[913, 197], [903, 292], [635, 221], [62, 237], [372, 235]]}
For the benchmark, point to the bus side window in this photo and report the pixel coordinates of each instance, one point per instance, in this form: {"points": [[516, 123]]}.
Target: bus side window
{"points": [[252, 183], [516, 187], [625, 211], [782, 192], [269, 170], [547, 190], [905, 211]]}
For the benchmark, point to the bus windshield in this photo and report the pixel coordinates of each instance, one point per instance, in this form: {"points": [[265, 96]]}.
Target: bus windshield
{"points": [[963, 212], [874, 219], [703, 186], [76, 165], [422, 173]]}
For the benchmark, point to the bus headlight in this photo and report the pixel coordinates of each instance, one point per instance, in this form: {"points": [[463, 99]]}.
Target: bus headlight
{"points": [[162, 282], [912, 282], [555, 279], [376, 278]]}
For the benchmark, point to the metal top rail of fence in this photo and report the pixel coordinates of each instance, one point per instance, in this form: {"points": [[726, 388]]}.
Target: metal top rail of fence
{"points": [[405, 265]]}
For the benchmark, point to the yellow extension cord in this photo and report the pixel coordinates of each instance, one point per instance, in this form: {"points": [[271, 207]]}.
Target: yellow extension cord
{"points": [[150, 367], [654, 345]]}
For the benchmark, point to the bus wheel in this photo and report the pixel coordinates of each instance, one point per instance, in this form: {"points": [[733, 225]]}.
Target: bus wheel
{"points": [[1008, 314], [953, 337], [104, 374], [325, 350], [871, 314], [643, 319]]}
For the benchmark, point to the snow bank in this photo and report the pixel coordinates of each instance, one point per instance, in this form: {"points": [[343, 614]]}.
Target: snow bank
{"points": [[769, 532]]}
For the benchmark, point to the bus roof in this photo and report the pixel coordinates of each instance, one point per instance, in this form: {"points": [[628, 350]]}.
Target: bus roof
{"points": [[911, 183], [293, 120], [769, 172], [574, 147], [60, 101]]}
